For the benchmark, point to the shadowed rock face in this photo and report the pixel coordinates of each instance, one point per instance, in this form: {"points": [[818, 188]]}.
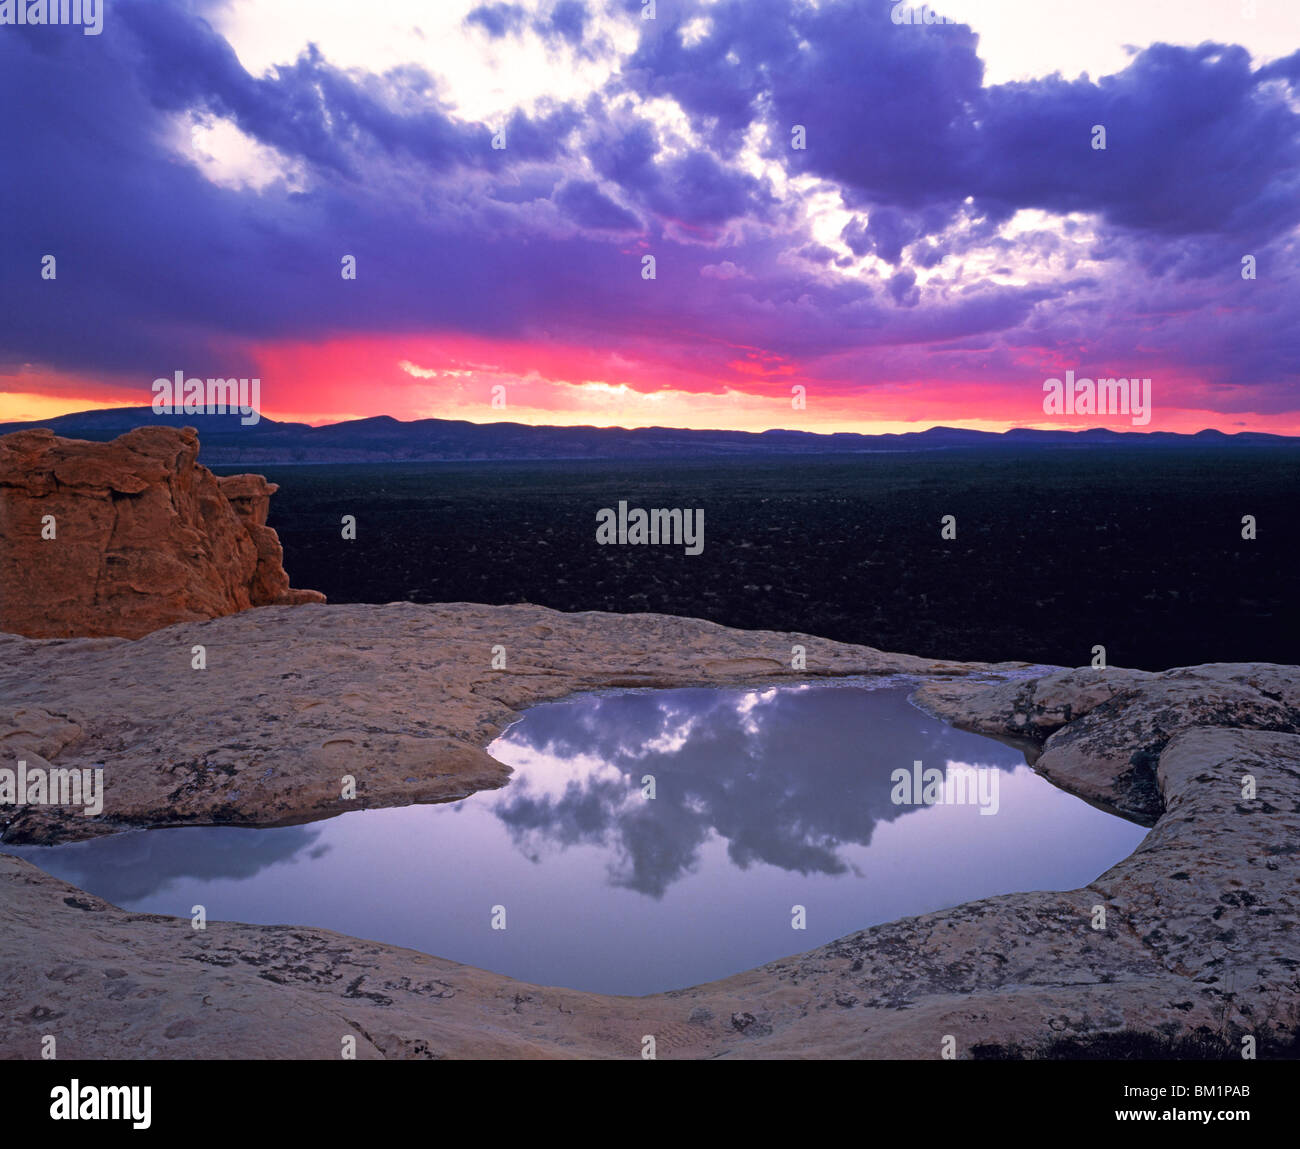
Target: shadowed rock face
{"points": [[122, 538]]}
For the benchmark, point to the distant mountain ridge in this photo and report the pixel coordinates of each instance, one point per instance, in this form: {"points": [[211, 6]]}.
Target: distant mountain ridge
{"points": [[381, 438]]}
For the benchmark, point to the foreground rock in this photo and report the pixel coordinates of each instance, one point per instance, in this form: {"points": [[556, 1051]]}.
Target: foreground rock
{"points": [[1200, 933], [1200, 924], [1100, 733], [403, 698], [125, 537]]}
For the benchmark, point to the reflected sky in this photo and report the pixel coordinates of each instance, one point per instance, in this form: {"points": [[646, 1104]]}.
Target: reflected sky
{"points": [[763, 800], [786, 777]]}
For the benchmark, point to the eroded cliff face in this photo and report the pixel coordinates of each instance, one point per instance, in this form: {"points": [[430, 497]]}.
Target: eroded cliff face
{"points": [[125, 537]]}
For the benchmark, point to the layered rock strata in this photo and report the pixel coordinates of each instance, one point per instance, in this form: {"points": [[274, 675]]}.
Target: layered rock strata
{"points": [[125, 537]]}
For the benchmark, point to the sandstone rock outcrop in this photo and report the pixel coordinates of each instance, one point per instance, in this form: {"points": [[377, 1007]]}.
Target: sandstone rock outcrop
{"points": [[124, 537], [1201, 928], [1100, 733]]}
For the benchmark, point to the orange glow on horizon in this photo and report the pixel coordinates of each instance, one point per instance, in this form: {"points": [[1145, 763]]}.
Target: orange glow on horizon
{"points": [[545, 383]]}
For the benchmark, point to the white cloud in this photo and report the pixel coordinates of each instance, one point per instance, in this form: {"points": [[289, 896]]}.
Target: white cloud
{"points": [[483, 78], [1025, 39], [228, 157]]}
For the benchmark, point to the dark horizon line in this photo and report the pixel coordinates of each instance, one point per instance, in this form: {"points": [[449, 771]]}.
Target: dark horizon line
{"points": [[145, 416]]}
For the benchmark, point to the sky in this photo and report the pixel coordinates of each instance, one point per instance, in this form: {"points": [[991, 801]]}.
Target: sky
{"points": [[948, 237]]}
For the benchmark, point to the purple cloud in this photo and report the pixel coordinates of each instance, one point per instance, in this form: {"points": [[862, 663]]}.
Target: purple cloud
{"points": [[159, 265]]}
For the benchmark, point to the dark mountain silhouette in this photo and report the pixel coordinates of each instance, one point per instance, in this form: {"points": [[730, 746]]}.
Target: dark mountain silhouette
{"points": [[385, 439]]}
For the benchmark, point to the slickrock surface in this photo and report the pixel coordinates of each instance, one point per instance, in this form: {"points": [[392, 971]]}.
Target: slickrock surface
{"points": [[401, 697], [1099, 733], [1201, 921], [1201, 931], [143, 536]]}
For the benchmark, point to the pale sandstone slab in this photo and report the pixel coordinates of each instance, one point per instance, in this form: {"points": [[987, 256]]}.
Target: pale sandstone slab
{"points": [[1201, 920], [1175, 954], [401, 697], [1099, 733]]}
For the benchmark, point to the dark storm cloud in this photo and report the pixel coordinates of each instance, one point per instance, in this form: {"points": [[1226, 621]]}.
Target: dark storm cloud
{"points": [[885, 234], [584, 203], [497, 19], [1202, 162], [898, 117], [902, 288], [158, 266], [694, 188], [569, 20], [310, 109], [1195, 145]]}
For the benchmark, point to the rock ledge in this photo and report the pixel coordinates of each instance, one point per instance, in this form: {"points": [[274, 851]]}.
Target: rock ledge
{"points": [[122, 538], [1201, 921]]}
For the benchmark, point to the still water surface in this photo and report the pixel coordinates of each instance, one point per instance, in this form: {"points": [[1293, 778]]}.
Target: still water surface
{"points": [[764, 800]]}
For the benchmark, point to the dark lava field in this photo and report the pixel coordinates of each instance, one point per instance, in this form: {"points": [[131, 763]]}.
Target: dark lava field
{"points": [[1057, 550]]}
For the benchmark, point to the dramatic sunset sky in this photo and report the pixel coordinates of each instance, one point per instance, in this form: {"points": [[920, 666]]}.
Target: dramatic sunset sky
{"points": [[948, 239]]}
